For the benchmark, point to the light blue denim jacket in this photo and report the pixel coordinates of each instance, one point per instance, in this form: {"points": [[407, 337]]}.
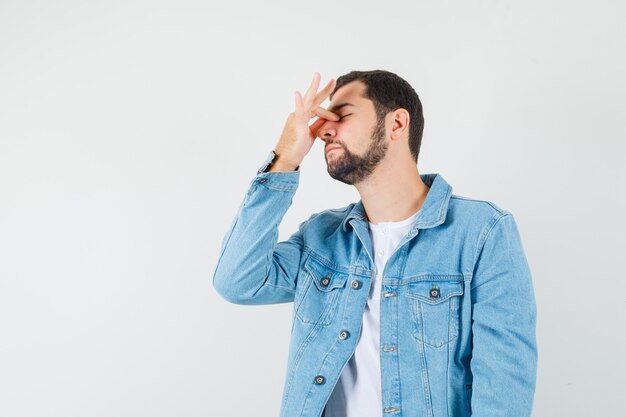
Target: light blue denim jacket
{"points": [[457, 306]]}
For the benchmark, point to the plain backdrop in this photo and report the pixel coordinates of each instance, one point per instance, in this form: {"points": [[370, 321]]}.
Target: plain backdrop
{"points": [[130, 131]]}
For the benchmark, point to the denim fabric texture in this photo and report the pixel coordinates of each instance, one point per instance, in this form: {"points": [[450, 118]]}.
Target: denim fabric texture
{"points": [[457, 306]]}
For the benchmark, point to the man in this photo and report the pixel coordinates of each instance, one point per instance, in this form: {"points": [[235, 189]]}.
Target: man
{"points": [[411, 302]]}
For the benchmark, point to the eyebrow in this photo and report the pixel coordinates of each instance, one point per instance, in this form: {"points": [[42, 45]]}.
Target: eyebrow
{"points": [[339, 106]]}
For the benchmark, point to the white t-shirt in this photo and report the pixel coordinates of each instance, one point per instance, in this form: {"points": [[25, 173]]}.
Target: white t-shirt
{"points": [[358, 390]]}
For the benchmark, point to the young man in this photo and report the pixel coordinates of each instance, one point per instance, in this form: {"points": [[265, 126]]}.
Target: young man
{"points": [[411, 302]]}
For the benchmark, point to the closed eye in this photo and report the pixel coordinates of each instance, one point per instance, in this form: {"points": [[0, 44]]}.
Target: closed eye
{"points": [[344, 116]]}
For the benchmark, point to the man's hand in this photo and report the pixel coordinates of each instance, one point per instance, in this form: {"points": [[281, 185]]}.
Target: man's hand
{"points": [[298, 137]]}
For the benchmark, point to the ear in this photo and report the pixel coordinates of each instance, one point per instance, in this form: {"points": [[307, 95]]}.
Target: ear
{"points": [[399, 123]]}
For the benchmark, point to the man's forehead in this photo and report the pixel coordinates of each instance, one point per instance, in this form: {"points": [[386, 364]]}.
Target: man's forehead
{"points": [[347, 95]]}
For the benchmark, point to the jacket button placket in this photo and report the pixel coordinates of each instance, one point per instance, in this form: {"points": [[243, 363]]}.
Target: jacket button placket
{"points": [[389, 360]]}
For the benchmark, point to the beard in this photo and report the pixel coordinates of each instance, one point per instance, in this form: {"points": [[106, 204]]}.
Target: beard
{"points": [[350, 168]]}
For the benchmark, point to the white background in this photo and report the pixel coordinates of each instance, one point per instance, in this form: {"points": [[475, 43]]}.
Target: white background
{"points": [[130, 130]]}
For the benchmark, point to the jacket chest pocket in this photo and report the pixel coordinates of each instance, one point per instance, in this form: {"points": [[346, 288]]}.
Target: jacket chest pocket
{"points": [[317, 303], [435, 310]]}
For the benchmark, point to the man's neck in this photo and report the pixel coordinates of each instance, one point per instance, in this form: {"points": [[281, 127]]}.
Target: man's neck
{"points": [[393, 194]]}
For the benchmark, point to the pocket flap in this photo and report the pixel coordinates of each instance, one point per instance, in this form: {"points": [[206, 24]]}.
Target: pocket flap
{"points": [[325, 278], [434, 292]]}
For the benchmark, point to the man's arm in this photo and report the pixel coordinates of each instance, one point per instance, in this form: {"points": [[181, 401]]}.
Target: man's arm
{"points": [[252, 268], [504, 352]]}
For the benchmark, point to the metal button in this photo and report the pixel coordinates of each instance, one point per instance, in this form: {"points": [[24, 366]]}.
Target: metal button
{"points": [[344, 334], [325, 281], [263, 180], [319, 380], [434, 292], [356, 284]]}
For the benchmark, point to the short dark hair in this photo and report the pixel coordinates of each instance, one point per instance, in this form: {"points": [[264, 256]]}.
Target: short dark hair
{"points": [[390, 92]]}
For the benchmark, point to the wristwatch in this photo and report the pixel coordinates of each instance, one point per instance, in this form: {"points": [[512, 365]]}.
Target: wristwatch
{"points": [[271, 158]]}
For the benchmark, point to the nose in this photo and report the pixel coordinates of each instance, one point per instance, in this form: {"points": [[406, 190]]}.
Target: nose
{"points": [[327, 131]]}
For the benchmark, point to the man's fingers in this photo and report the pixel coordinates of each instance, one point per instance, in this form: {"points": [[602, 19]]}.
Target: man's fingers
{"points": [[322, 95], [299, 105], [308, 97], [310, 105], [315, 127], [326, 114]]}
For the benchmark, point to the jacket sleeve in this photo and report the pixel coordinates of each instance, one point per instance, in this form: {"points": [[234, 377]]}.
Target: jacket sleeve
{"points": [[252, 268], [504, 349]]}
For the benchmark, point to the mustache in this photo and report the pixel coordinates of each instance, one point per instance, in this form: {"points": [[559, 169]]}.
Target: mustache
{"points": [[333, 144]]}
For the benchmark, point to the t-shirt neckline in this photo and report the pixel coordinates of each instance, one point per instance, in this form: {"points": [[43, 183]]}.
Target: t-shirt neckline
{"points": [[399, 223]]}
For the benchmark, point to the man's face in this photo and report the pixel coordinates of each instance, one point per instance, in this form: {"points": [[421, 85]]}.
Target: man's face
{"points": [[358, 138]]}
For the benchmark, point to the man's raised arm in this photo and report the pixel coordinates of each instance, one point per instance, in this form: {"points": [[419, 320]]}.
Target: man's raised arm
{"points": [[252, 268]]}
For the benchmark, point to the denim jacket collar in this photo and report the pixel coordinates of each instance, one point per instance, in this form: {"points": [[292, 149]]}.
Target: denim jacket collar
{"points": [[434, 209]]}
